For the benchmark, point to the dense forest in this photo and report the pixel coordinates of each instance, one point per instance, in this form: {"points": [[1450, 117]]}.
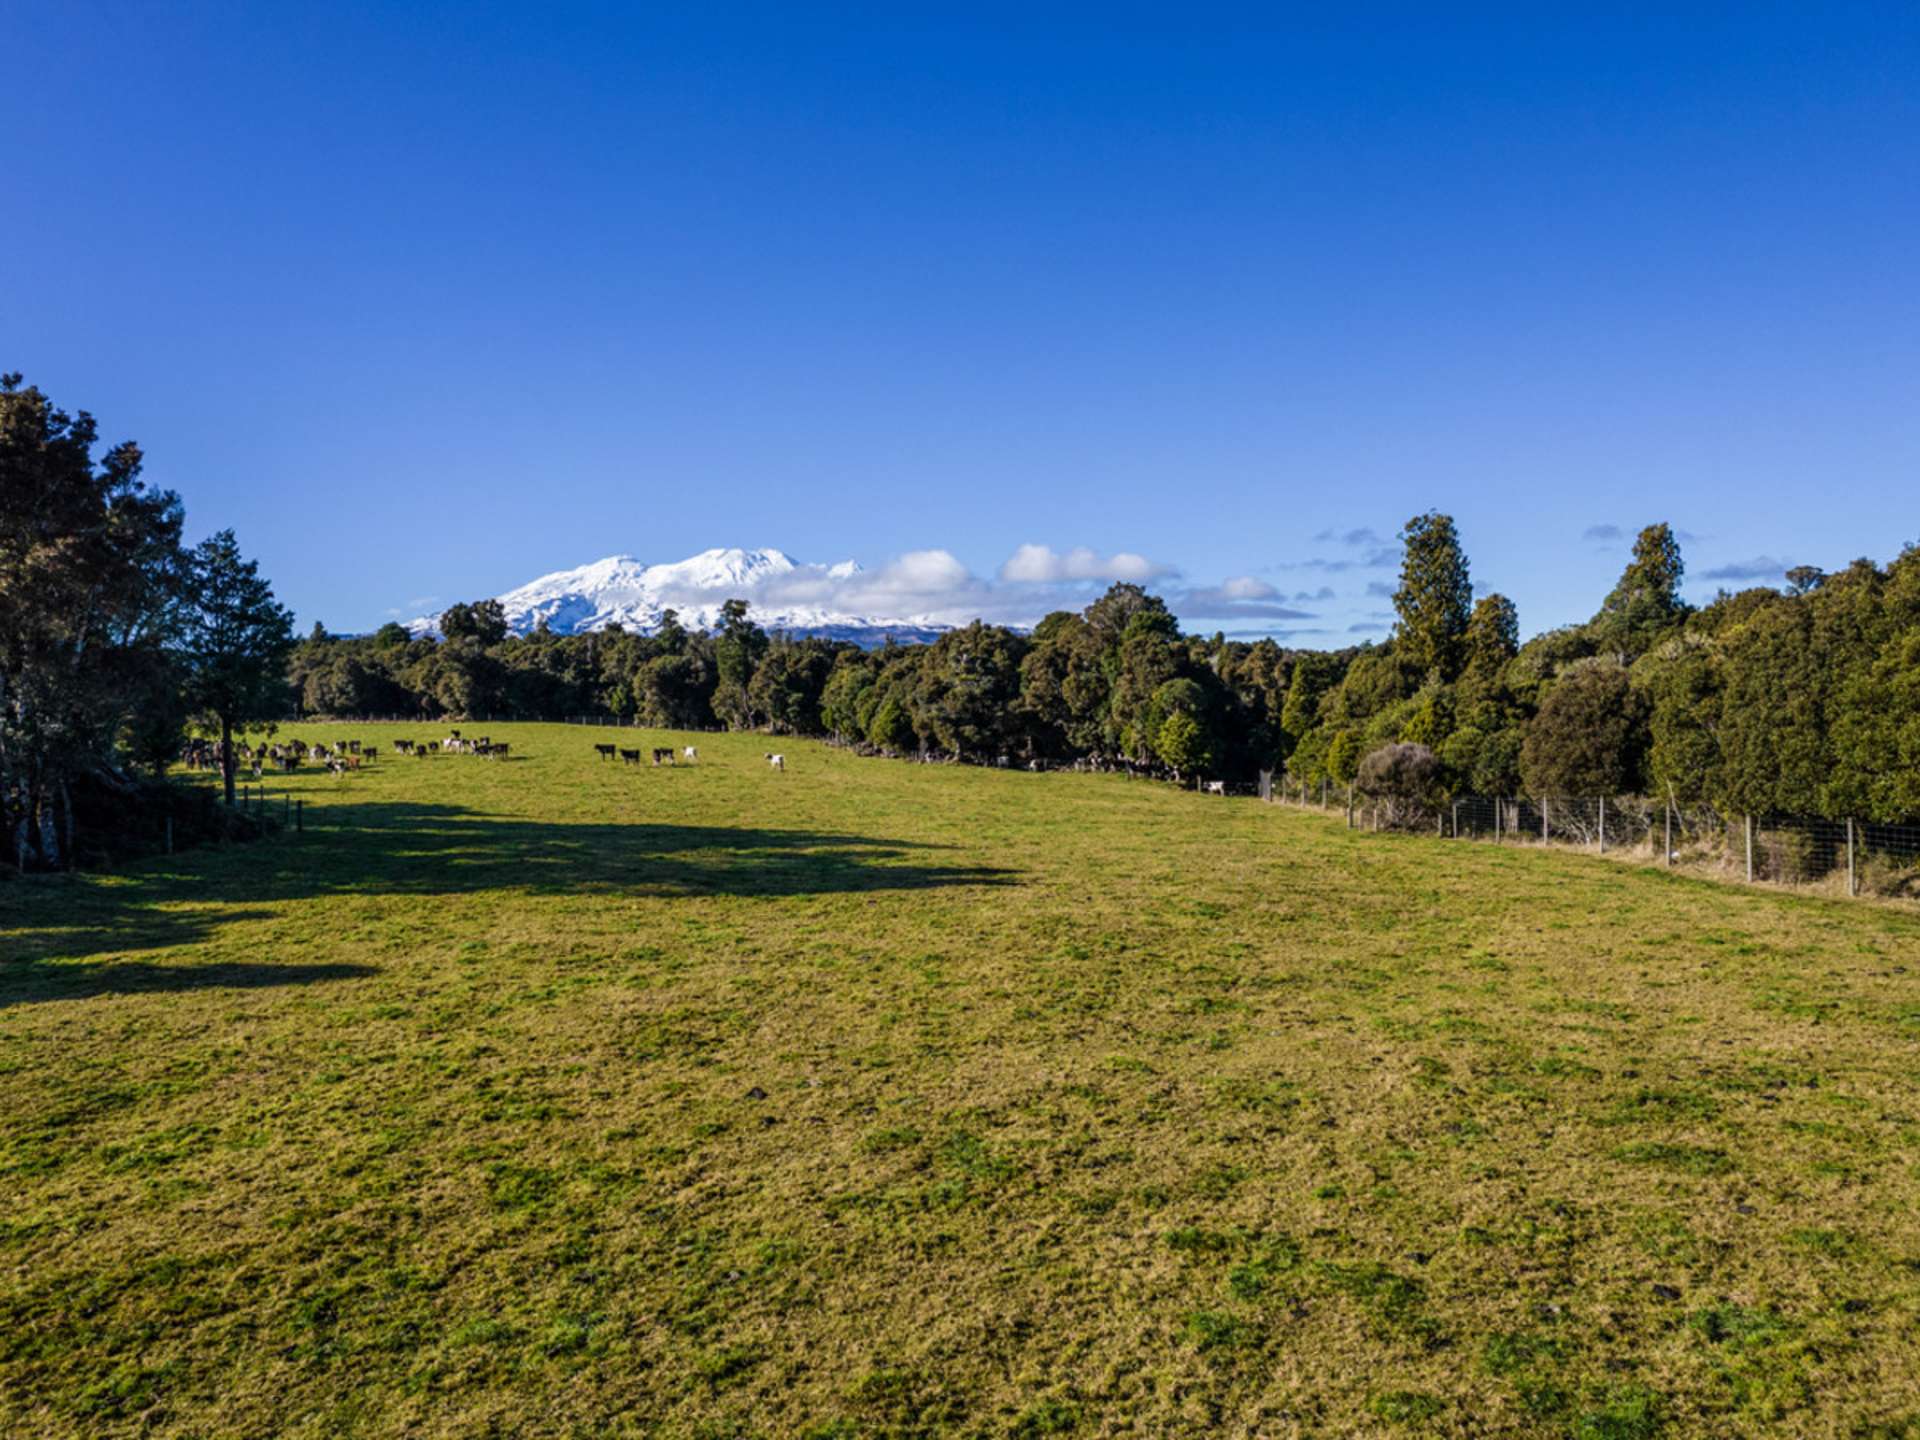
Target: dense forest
{"points": [[1797, 701]]}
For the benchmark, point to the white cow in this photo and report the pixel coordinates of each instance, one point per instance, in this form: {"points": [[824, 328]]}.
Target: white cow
{"points": [[778, 762], [1216, 787], [692, 753]]}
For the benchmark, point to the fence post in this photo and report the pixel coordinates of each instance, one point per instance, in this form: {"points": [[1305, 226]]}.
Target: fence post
{"points": [[1669, 847], [1852, 888], [1749, 849], [1544, 837], [1349, 805], [299, 817], [1456, 819], [1603, 824]]}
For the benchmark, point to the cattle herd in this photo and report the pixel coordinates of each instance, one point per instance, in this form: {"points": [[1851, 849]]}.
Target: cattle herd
{"points": [[339, 756], [662, 754]]}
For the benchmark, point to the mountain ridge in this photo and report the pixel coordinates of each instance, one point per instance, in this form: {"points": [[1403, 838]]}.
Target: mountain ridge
{"points": [[782, 594]]}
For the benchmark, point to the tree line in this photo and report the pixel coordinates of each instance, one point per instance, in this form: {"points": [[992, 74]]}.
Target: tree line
{"points": [[114, 634], [1803, 700]]}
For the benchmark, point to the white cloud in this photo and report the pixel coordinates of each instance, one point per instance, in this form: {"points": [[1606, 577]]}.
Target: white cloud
{"points": [[1042, 565], [1245, 587]]}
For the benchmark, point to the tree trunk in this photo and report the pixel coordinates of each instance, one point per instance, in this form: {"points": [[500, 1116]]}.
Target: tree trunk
{"points": [[226, 756]]}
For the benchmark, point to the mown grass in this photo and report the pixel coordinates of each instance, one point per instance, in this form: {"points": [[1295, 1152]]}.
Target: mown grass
{"points": [[559, 1098]]}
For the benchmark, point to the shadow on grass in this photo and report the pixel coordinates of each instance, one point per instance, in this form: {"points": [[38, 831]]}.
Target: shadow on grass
{"points": [[28, 982], [428, 851]]}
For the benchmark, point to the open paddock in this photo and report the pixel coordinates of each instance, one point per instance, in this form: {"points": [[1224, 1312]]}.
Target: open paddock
{"points": [[567, 1098]]}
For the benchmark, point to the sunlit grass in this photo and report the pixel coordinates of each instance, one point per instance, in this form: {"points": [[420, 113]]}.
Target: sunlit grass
{"points": [[560, 1097]]}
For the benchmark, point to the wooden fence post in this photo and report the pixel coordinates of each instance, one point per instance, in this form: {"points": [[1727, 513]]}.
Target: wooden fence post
{"points": [[1603, 824], [1749, 849], [1853, 887]]}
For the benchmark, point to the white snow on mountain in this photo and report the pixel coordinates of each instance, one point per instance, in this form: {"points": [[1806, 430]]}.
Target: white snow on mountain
{"points": [[782, 594]]}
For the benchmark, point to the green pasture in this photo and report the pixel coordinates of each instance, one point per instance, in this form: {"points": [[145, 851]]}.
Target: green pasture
{"points": [[554, 1097]]}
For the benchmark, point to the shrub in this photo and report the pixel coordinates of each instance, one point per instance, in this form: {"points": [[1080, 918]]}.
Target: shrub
{"points": [[1405, 777]]}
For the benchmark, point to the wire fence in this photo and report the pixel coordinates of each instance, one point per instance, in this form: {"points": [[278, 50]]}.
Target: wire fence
{"points": [[1847, 857]]}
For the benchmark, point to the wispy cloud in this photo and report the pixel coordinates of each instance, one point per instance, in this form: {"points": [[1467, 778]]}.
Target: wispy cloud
{"points": [[1373, 560], [1761, 567], [1602, 534], [1362, 536], [1242, 597], [1379, 590]]}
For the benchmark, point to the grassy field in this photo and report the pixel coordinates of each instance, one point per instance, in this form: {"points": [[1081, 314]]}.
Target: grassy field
{"points": [[560, 1098]]}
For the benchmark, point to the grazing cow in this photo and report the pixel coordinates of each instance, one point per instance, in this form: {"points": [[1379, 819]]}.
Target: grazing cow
{"points": [[401, 747], [630, 757], [1216, 787], [778, 762], [663, 754], [605, 752], [692, 754]]}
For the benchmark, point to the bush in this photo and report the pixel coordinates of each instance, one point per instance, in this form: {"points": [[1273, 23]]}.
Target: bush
{"points": [[1404, 776], [1587, 738]]}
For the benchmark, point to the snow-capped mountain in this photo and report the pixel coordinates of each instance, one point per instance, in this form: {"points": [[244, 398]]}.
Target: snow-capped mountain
{"points": [[782, 594]]}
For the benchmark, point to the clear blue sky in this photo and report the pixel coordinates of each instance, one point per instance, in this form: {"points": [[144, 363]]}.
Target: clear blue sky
{"points": [[425, 300]]}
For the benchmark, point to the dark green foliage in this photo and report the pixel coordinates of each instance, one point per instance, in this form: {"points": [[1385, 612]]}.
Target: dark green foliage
{"points": [[1645, 605], [1588, 737], [484, 621], [234, 642], [91, 576], [1434, 597], [1492, 639]]}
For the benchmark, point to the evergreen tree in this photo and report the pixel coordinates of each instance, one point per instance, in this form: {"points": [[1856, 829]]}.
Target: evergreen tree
{"points": [[235, 643], [1645, 604], [737, 649], [1492, 638], [1435, 596]]}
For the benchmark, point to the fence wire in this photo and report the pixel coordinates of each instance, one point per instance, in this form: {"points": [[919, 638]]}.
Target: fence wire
{"points": [[1842, 856]]}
